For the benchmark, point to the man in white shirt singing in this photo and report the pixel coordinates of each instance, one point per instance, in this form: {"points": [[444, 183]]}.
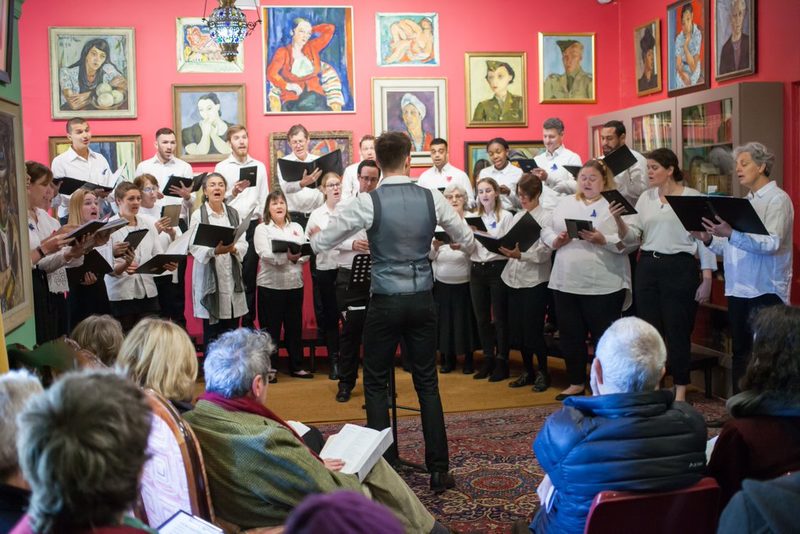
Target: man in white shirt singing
{"points": [[443, 173], [551, 162], [350, 185], [163, 165], [244, 197], [633, 181]]}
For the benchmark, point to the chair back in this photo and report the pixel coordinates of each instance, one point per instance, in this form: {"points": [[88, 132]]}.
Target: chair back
{"points": [[174, 478], [692, 510]]}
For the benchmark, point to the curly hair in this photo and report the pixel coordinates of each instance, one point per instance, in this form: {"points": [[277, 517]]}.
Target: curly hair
{"points": [[775, 361]]}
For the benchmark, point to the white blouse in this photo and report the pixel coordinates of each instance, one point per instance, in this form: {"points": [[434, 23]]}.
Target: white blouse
{"points": [[54, 264], [533, 267], [134, 286], [276, 271], [450, 266], [326, 260], [231, 304], [581, 267], [494, 228]]}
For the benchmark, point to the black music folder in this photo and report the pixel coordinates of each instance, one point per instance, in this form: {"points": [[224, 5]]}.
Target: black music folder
{"points": [[173, 211], [477, 222], [87, 229], [68, 185], [93, 262], [612, 195], [250, 174], [279, 245], [155, 265], [576, 225], [525, 232], [292, 171], [738, 212], [209, 235], [620, 160], [135, 237], [441, 235], [574, 170], [181, 181], [527, 165]]}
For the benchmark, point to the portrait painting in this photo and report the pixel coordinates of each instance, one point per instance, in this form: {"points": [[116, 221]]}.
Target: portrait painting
{"points": [[201, 117], [16, 293], [92, 73], [407, 39], [496, 89], [567, 68], [6, 39], [198, 52], [476, 158], [687, 47], [308, 60], [647, 57], [734, 38], [414, 106], [118, 150], [319, 144]]}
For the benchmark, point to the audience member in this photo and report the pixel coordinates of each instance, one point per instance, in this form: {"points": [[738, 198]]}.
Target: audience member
{"points": [[101, 335], [629, 436], [16, 388], [83, 445], [258, 468], [763, 507], [341, 512], [762, 440], [159, 355]]}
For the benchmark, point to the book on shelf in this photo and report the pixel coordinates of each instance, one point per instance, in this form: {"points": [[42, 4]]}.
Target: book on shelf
{"points": [[358, 447]]}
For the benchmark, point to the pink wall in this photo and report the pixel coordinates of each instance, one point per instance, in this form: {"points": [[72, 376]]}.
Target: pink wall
{"points": [[464, 26]]}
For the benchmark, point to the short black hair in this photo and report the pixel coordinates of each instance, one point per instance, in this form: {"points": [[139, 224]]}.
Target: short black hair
{"points": [[619, 128], [500, 141], [439, 141], [368, 163], [164, 131], [75, 120], [687, 7], [392, 149], [666, 158]]}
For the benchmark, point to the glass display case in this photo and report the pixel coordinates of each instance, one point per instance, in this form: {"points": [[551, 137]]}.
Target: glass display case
{"points": [[707, 141], [651, 131]]}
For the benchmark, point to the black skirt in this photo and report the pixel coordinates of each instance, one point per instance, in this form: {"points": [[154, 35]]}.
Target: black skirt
{"points": [[50, 309], [458, 330]]}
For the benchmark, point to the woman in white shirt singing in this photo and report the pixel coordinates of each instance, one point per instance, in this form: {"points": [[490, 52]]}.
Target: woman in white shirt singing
{"points": [[280, 281], [451, 267], [591, 276], [668, 285], [217, 288], [489, 298]]}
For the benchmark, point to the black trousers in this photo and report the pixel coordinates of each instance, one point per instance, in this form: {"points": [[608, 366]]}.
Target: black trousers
{"points": [[285, 309], [50, 310], [664, 290], [579, 315], [526, 310], [352, 329], [249, 270], [328, 315], [740, 315], [213, 331], [83, 301], [490, 302], [412, 318], [170, 299]]}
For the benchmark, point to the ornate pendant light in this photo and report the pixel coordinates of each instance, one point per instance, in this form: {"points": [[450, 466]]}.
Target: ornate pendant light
{"points": [[229, 27]]}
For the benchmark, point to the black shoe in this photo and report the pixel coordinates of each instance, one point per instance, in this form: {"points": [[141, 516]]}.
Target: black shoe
{"points": [[469, 367], [446, 368], [522, 380], [500, 371], [441, 482], [343, 395], [541, 383], [564, 396], [486, 369]]}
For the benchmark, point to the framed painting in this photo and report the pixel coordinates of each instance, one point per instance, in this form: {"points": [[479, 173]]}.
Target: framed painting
{"points": [[414, 106], [734, 38], [687, 47], [16, 292], [118, 150], [201, 117], [647, 57], [319, 143], [198, 52], [407, 39], [92, 73], [496, 89], [476, 157], [567, 68], [6, 39], [324, 82]]}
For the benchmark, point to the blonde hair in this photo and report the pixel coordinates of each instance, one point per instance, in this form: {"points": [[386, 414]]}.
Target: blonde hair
{"points": [[76, 204], [498, 204], [99, 334], [158, 354], [600, 166]]}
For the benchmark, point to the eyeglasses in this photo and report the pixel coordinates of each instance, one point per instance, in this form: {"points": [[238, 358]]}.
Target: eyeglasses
{"points": [[368, 179], [149, 190], [333, 186], [450, 197]]}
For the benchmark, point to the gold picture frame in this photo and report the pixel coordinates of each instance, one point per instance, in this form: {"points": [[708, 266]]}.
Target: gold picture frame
{"points": [[484, 107], [117, 149], [644, 41], [554, 87], [319, 143]]}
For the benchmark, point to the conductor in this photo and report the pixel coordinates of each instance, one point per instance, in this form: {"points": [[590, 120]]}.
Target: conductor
{"points": [[400, 218]]}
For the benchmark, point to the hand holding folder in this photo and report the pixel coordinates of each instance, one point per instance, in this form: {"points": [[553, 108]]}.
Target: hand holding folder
{"points": [[523, 234], [295, 171]]}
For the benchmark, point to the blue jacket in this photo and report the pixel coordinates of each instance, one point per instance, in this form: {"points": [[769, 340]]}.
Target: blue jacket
{"points": [[625, 442]]}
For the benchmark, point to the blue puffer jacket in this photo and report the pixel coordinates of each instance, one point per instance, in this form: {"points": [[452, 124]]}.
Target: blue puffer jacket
{"points": [[624, 442]]}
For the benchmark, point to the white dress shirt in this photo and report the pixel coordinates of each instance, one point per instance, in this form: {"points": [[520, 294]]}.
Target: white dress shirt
{"points": [[761, 264], [350, 181], [135, 286], [277, 271], [162, 171], [581, 267], [231, 303], [507, 176], [494, 227], [359, 214], [93, 169], [345, 252], [533, 266], [54, 264], [633, 181], [659, 230], [252, 198], [302, 199], [434, 178], [327, 260], [559, 178]]}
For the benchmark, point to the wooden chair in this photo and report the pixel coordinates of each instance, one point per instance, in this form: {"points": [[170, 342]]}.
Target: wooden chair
{"points": [[692, 510]]}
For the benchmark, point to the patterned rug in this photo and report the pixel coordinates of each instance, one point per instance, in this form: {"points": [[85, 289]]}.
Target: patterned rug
{"points": [[492, 460]]}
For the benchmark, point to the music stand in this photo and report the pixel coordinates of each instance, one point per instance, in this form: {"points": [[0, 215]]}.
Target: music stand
{"points": [[360, 280]]}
